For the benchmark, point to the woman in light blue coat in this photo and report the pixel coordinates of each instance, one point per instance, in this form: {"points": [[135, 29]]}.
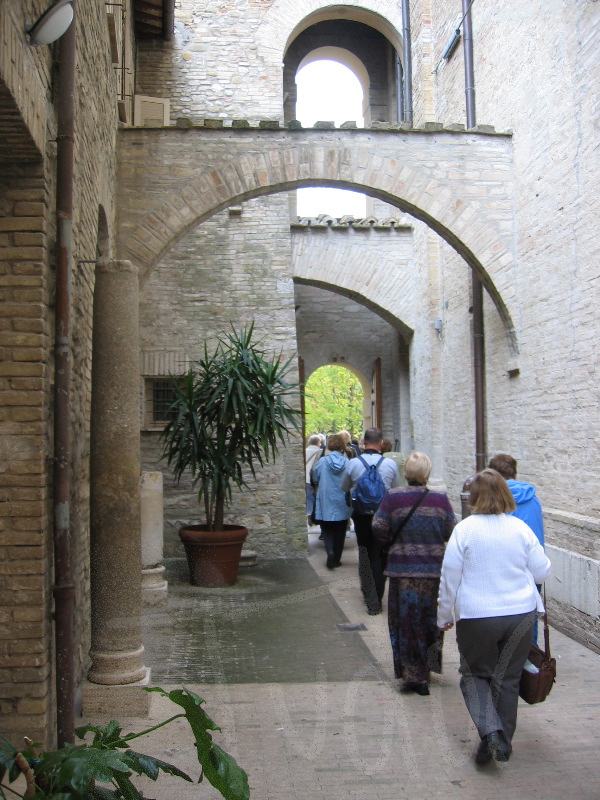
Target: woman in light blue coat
{"points": [[333, 508]]}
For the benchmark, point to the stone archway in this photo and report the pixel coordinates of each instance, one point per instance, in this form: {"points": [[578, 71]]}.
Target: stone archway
{"points": [[166, 189], [362, 380]]}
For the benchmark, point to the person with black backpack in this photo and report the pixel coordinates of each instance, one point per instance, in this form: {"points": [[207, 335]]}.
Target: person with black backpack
{"points": [[369, 477]]}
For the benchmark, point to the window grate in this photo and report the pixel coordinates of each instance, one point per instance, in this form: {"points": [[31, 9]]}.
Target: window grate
{"points": [[163, 396]]}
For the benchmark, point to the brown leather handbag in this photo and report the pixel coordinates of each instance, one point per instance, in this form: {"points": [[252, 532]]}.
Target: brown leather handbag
{"points": [[535, 686]]}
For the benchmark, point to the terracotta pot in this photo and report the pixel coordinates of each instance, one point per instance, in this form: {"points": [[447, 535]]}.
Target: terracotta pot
{"points": [[213, 556]]}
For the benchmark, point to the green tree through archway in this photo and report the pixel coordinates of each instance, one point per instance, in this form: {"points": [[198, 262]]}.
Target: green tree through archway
{"points": [[334, 401]]}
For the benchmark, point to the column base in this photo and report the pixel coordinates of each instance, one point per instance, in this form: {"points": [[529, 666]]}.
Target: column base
{"points": [[154, 586], [117, 668], [116, 702]]}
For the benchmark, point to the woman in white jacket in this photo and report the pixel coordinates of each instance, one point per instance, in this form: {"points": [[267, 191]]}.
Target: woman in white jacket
{"points": [[490, 568]]}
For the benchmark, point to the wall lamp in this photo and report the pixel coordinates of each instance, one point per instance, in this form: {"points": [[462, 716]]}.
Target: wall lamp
{"points": [[53, 23], [452, 45]]}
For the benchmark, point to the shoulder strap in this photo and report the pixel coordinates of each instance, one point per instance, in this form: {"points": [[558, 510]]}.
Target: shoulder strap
{"points": [[546, 629], [312, 458], [407, 517], [368, 466]]}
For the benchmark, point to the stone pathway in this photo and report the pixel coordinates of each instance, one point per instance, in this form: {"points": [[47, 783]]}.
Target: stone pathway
{"points": [[299, 678]]}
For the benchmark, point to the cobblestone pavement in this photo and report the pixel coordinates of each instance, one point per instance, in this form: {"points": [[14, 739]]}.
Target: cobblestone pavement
{"points": [[299, 678]]}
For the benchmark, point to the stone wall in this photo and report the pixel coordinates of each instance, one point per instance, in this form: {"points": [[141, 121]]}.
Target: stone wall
{"points": [[536, 68], [372, 49], [527, 207], [231, 270], [27, 260], [333, 329], [229, 65], [541, 86]]}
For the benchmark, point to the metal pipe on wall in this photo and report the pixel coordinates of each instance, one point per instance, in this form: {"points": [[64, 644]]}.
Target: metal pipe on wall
{"points": [[477, 287], [479, 373], [406, 50], [468, 57], [63, 588], [399, 88], [168, 20]]}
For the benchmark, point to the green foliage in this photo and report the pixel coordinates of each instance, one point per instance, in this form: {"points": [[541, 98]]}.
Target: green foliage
{"points": [[231, 411], [334, 401], [74, 771]]}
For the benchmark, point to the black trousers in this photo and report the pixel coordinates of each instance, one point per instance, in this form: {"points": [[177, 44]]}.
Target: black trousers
{"points": [[334, 538], [493, 651], [372, 579]]}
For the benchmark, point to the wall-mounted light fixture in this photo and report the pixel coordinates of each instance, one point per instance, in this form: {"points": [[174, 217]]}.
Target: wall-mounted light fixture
{"points": [[53, 23], [438, 325], [452, 45]]}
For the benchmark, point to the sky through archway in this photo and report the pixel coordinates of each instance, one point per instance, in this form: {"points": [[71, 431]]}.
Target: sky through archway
{"points": [[329, 91]]}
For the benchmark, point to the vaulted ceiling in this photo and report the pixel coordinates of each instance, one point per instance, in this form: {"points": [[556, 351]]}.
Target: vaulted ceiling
{"points": [[154, 19]]}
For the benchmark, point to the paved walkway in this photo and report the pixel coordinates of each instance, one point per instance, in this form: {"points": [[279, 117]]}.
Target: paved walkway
{"points": [[299, 678]]}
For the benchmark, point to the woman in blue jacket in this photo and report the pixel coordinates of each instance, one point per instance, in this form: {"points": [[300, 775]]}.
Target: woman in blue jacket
{"points": [[333, 508]]}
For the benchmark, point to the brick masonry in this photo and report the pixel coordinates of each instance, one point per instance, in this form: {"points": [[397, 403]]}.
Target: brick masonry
{"points": [[522, 210], [28, 129]]}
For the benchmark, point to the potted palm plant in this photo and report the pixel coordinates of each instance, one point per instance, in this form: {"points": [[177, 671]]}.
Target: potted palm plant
{"points": [[230, 414]]}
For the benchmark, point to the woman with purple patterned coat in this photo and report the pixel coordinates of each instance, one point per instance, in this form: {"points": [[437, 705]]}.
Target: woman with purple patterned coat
{"points": [[413, 568]]}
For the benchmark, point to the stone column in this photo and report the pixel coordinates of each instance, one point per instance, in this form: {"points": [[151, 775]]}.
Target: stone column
{"points": [[117, 652], [154, 585]]}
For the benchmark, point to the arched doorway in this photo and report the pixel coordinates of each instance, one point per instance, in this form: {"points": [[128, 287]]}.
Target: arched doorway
{"points": [[244, 267], [336, 398]]}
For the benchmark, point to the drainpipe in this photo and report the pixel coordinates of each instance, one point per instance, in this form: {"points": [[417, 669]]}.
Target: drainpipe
{"points": [[479, 370], [468, 57], [168, 20], [399, 88], [64, 589], [406, 49], [477, 288]]}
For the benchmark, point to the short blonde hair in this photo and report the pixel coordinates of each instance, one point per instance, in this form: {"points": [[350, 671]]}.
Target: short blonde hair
{"points": [[336, 442], [417, 468], [346, 435], [490, 494]]}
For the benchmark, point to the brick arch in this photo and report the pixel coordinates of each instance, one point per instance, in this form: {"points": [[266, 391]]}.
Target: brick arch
{"points": [[286, 19], [395, 312], [441, 198]]}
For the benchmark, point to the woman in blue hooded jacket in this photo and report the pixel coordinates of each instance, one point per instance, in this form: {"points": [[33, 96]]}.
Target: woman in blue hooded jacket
{"points": [[528, 508], [333, 509]]}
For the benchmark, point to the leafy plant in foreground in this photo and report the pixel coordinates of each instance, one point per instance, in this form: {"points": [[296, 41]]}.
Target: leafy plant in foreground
{"points": [[74, 772]]}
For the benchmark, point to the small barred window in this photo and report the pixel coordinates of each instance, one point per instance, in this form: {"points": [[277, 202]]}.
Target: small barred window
{"points": [[162, 399]]}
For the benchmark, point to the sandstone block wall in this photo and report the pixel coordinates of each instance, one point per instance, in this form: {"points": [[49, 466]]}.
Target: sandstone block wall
{"points": [[543, 86], [231, 270], [229, 65]]}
